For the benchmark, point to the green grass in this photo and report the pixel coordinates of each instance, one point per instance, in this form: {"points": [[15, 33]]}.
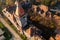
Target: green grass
{"points": [[23, 37], [1, 25], [7, 34]]}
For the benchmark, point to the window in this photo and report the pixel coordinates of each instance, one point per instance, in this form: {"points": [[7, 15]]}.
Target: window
{"points": [[4, 11], [8, 15]]}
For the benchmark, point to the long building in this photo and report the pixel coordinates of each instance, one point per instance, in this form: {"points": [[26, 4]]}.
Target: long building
{"points": [[16, 15]]}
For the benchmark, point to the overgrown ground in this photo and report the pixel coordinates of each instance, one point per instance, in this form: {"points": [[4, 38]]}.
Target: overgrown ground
{"points": [[7, 34]]}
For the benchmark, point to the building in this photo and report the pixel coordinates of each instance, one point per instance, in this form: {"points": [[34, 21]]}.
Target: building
{"points": [[16, 15], [21, 14]]}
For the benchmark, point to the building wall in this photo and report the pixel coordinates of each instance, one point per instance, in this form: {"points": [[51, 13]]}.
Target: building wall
{"points": [[24, 20]]}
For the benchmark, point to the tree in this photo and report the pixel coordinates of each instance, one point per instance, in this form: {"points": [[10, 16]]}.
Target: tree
{"points": [[10, 2], [48, 2], [36, 2], [53, 3], [45, 2]]}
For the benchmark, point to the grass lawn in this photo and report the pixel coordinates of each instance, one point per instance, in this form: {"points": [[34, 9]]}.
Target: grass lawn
{"points": [[7, 34], [1, 25]]}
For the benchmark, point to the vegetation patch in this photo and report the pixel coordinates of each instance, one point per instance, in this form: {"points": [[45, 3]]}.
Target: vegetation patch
{"points": [[6, 34]]}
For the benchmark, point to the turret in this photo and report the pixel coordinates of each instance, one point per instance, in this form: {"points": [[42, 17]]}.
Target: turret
{"points": [[17, 8], [17, 17]]}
